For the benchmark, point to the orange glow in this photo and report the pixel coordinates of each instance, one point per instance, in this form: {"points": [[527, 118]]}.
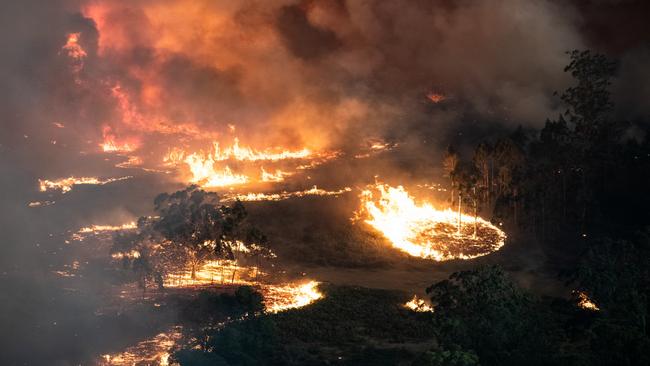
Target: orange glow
{"points": [[73, 48], [418, 305], [436, 97], [236, 152], [277, 297], [278, 176], [585, 302], [206, 175], [66, 184], [131, 255], [290, 296], [314, 191], [214, 272], [110, 143], [153, 351], [424, 231]]}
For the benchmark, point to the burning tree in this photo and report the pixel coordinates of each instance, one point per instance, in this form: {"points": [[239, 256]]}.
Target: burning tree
{"points": [[190, 227]]}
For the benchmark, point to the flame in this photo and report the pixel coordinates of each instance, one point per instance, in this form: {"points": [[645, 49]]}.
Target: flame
{"points": [[236, 152], [73, 48], [418, 305], [65, 184], [213, 272], [153, 351], [290, 296], [276, 297], [82, 233], [110, 143], [76, 53], [204, 172], [585, 302], [130, 254], [97, 228], [424, 231], [314, 191], [278, 176]]}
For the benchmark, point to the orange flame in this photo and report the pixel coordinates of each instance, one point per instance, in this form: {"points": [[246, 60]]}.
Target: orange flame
{"points": [[65, 184], [424, 231]]}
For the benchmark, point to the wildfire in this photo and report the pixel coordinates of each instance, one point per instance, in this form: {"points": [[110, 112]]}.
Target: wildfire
{"points": [[276, 297], [98, 228], [66, 184], [278, 176], [204, 172], [153, 351], [130, 254], [289, 296], [81, 234], [76, 53], [213, 272], [424, 231], [236, 152], [73, 48], [585, 302], [313, 191], [110, 143], [418, 305]]}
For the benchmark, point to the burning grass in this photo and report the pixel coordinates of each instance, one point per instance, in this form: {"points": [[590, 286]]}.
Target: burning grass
{"points": [[423, 231], [65, 185]]}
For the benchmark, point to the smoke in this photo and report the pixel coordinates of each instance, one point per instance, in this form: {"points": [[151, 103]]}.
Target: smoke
{"points": [[315, 73]]}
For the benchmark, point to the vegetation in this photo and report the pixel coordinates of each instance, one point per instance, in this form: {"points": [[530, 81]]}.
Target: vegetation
{"points": [[190, 227], [349, 326]]}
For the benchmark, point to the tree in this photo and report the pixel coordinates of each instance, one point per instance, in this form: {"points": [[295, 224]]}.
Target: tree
{"points": [[467, 177], [483, 311], [190, 227], [588, 100], [449, 164], [484, 163]]}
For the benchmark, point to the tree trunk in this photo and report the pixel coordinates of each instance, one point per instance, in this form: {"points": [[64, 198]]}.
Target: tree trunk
{"points": [[459, 215]]}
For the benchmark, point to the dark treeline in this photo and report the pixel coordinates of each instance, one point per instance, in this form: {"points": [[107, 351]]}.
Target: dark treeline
{"points": [[582, 176]]}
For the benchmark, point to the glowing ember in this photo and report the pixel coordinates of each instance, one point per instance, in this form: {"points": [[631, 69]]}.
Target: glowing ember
{"points": [[153, 351], [314, 191], [418, 305], [424, 231], [65, 184], [97, 228], [290, 296], [585, 302], [121, 255], [40, 203], [436, 97]]}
